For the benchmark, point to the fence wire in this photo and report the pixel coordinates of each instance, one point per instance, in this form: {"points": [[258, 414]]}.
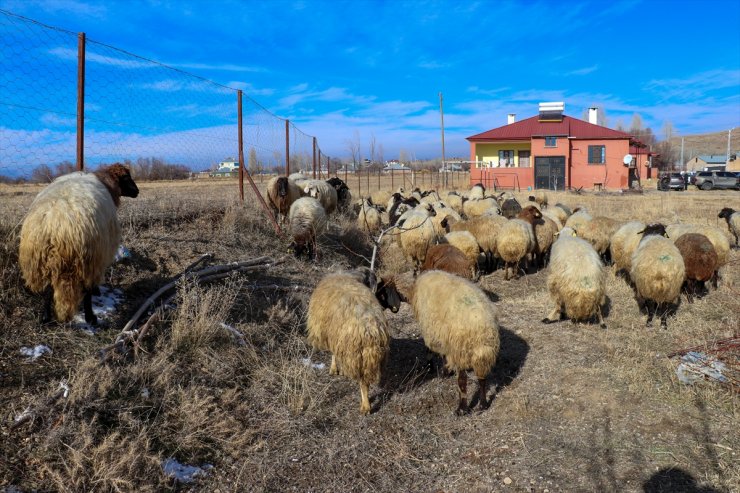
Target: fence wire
{"points": [[136, 110]]}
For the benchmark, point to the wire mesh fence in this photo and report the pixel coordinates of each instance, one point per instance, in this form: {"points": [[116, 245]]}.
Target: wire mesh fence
{"points": [[60, 91]]}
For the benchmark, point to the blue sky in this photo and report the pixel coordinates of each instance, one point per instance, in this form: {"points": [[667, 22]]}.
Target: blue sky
{"points": [[345, 71]]}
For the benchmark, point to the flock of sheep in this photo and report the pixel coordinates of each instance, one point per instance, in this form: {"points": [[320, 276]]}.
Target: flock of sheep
{"points": [[451, 241], [71, 232]]}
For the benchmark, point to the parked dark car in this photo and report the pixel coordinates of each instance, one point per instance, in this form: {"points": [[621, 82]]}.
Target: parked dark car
{"points": [[671, 181], [707, 180]]}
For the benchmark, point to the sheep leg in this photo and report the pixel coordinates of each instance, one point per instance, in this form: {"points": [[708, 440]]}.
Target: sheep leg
{"points": [[364, 399], [90, 317], [650, 312], [554, 315], [663, 315], [482, 388], [690, 290], [462, 387], [333, 368], [46, 311], [601, 318]]}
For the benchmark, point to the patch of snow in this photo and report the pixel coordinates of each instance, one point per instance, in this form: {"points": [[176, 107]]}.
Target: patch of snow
{"points": [[121, 253], [104, 307], [35, 352], [183, 472], [317, 366], [697, 366]]}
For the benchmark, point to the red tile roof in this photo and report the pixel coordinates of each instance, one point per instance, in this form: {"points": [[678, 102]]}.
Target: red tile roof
{"points": [[532, 127]]}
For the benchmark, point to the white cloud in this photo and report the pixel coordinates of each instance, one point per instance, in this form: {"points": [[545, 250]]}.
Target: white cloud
{"points": [[55, 120], [583, 71]]}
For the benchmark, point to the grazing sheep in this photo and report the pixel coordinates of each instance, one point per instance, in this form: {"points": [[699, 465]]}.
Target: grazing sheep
{"points": [[562, 212], [455, 201], [344, 196], [624, 243], [718, 238], [457, 321], [478, 207], [307, 219], [485, 229], [733, 222], [281, 193], [299, 179], [323, 192], [599, 232], [430, 196], [510, 208], [532, 202], [450, 259], [445, 215], [579, 220], [516, 240], [368, 218], [541, 198], [417, 233], [466, 242], [577, 279], [554, 217], [344, 317], [400, 207], [477, 191], [700, 262], [70, 235], [657, 272], [545, 230]]}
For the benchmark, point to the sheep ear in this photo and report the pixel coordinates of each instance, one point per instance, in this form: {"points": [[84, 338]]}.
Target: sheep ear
{"points": [[640, 232], [666, 235]]}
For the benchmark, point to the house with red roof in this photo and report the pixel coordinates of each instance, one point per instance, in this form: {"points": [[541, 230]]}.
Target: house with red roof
{"points": [[554, 151]]}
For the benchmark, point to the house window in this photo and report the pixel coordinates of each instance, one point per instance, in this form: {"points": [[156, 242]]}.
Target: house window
{"points": [[505, 159], [524, 159], [596, 154], [551, 141]]}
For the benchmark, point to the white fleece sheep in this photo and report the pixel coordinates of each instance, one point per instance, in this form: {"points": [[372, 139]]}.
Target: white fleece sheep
{"points": [[624, 243], [733, 222], [477, 191], [281, 193], [579, 220], [478, 207], [455, 201], [307, 220], [466, 243], [459, 322], [486, 230], [70, 236], [576, 279], [658, 272], [417, 233], [516, 240], [368, 219], [344, 317], [323, 192]]}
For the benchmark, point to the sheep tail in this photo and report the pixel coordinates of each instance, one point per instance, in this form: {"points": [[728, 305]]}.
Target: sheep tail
{"points": [[484, 359], [67, 296]]}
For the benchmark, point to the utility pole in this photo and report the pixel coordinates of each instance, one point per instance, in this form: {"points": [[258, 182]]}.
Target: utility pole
{"points": [[442, 118], [729, 136], [682, 162]]}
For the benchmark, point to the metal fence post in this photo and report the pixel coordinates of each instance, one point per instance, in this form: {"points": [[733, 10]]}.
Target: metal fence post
{"points": [[287, 147], [314, 160], [80, 101], [241, 144]]}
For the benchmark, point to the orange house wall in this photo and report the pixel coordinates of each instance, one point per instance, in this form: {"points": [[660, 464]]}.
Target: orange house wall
{"points": [[613, 174]]}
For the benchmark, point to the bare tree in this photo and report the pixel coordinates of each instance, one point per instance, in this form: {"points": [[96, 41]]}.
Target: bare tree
{"points": [[253, 163], [372, 145], [353, 145], [636, 123], [381, 158]]}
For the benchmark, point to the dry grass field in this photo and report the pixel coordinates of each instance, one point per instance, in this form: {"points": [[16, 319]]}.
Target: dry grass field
{"points": [[575, 408]]}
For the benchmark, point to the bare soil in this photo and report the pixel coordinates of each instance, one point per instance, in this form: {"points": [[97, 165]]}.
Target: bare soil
{"points": [[572, 407]]}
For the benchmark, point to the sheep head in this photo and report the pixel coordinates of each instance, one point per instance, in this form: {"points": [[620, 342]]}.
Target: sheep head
{"points": [[654, 229], [117, 179], [726, 213]]}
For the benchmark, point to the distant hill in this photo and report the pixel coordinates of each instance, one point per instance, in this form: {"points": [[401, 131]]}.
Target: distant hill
{"points": [[712, 143]]}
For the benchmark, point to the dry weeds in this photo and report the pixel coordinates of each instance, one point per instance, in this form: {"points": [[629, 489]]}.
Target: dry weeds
{"points": [[575, 408]]}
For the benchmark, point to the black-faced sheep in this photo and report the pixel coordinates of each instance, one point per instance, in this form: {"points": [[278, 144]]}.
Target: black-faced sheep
{"points": [[733, 222], [344, 317], [576, 279], [657, 272], [344, 195], [400, 207], [450, 259], [307, 219], [516, 240], [700, 262], [281, 193], [457, 321], [510, 208], [70, 236]]}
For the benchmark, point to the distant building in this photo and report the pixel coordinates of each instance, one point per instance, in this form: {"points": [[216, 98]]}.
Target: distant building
{"points": [[554, 151], [708, 162], [395, 165]]}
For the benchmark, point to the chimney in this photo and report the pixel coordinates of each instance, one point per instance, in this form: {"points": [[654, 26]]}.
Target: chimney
{"points": [[511, 118], [593, 116]]}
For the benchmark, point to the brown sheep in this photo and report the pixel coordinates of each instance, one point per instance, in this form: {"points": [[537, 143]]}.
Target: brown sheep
{"points": [[450, 259], [700, 261], [281, 193]]}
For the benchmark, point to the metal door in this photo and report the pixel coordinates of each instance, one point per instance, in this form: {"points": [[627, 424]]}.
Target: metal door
{"points": [[549, 172]]}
